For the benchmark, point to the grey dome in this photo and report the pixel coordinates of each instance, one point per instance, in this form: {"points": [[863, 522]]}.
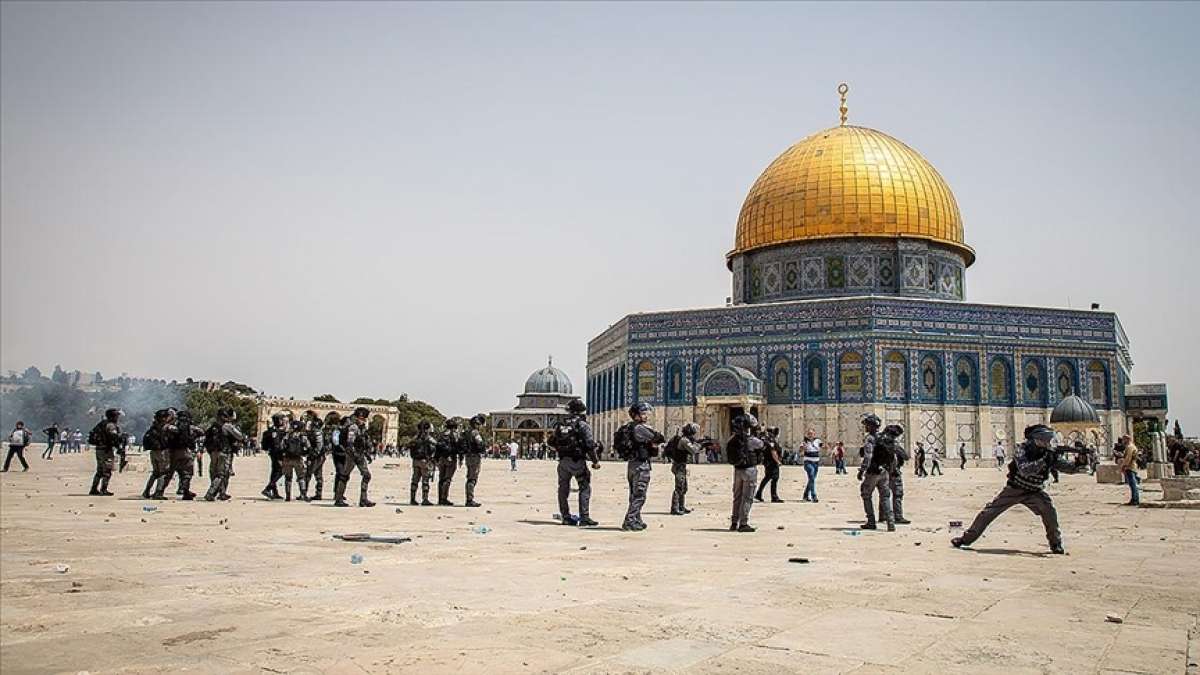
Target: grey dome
{"points": [[548, 380], [1074, 410]]}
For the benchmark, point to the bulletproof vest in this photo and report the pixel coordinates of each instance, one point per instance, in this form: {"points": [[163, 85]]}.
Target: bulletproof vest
{"points": [[740, 451], [472, 443], [568, 439], [645, 442], [355, 437], [273, 440], [448, 444], [295, 445], [883, 456], [154, 438], [423, 447], [215, 439]]}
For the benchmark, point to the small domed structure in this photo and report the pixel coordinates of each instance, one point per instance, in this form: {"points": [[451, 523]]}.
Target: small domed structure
{"points": [[1073, 410], [548, 380]]}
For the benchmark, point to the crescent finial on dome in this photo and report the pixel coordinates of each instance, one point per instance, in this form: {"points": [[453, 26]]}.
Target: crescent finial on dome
{"points": [[842, 90]]}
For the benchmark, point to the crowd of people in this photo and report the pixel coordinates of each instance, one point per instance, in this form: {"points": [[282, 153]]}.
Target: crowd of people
{"points": [[297, 449]]}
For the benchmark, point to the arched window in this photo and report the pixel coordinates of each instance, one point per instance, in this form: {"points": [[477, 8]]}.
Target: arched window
{"points": [[814, 378], [703, 367], [779, 389], [1034, 382], [931, 378], [850, 375], [1064, 379], [1097, 383], [895, 376], [647, 381], [966, 385], [675, 382], [1000, 382]]}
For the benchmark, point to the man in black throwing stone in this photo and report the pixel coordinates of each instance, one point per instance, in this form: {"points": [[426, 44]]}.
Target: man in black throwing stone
{"points": [[1027, 474]]}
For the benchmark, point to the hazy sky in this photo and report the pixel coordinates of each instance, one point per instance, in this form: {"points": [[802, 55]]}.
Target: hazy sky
{"points": [[430, 198]]}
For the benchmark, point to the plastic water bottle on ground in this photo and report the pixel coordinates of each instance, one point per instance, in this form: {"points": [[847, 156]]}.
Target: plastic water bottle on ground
{"points": [[481, 529], [149, 509], [356, 558]]}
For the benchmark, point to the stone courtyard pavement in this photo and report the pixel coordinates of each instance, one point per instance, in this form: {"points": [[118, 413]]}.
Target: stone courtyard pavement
{"points": [[254, 586]]}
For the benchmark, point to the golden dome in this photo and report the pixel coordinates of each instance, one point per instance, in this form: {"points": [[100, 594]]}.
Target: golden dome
{"points": [[849, 181]]}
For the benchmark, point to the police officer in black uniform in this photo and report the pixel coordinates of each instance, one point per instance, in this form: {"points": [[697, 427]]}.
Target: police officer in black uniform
{"points": [[743, 451], [422, 451], [181, 445], [448, 450], [472, 455], [1027, 475], [680, 450], [357, 443], [222, 441], [896, 475], [637, 442], [107, 438], [273, 440], [875, 472], [333, 441], [155, 441], [314, 465], [771, 459], [575, 445]]}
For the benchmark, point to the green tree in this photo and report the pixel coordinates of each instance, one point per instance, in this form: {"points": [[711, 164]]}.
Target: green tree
{"points": [[32, 373], [205, 404], [412, 412], [326, 398]]}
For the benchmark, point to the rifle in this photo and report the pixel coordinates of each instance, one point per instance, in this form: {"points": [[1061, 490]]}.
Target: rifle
{"points": [[121, 447]]}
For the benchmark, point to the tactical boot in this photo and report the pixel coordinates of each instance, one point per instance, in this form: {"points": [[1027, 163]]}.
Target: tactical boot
{"points": [[891, 527], [367, 503], [957, 542], [317, 495], [1058, 549], [158, 496], [585, 521], [445, 502], [266, 492], [777, 500], [340, 502], [224, 497], [426, 502], [473, 504], [746, 528], [733, 527], [209, 498], [104, 488], [869, 525], [903, 521], [188, 496]]}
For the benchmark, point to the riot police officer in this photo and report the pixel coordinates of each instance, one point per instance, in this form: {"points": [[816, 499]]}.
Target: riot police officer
{"points": [[1027, 475], [357, 444], [680, 451], [448, 450], [107, 438], [222, 441], [472, 454], [422, 450], [572, 439], [875, 473], [333, 441], [896, 475], [771, 460], [743, 451], [181, 442], [295, 449], [273, 440], [314, 466], [155, 441], [636, 442]]}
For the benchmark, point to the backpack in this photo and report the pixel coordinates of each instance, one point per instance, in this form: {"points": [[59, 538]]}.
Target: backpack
{"points": [[563, 436], [17, 438], [153, 438], [672, 450], [98, 436], [623, 442], [212, 438]]}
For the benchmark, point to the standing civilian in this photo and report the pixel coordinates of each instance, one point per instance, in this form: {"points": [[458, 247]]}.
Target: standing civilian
{"points": [[839, 458], [51, 436], [1128, 464], [18, 440]]}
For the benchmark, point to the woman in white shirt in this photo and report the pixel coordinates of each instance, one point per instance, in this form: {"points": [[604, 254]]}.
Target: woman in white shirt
{"points": [[812, 461]]}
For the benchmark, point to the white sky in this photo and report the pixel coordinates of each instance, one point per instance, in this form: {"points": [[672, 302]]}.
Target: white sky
{"points": [[430, 198]]}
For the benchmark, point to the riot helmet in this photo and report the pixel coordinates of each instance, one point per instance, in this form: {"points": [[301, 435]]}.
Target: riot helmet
{"points": [[478, 420], [362, 413], [894, 430], [641, 408], [872, 422], [452, 423], [576, 407], [1040, 434], [113, 414], [690, 429]]}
